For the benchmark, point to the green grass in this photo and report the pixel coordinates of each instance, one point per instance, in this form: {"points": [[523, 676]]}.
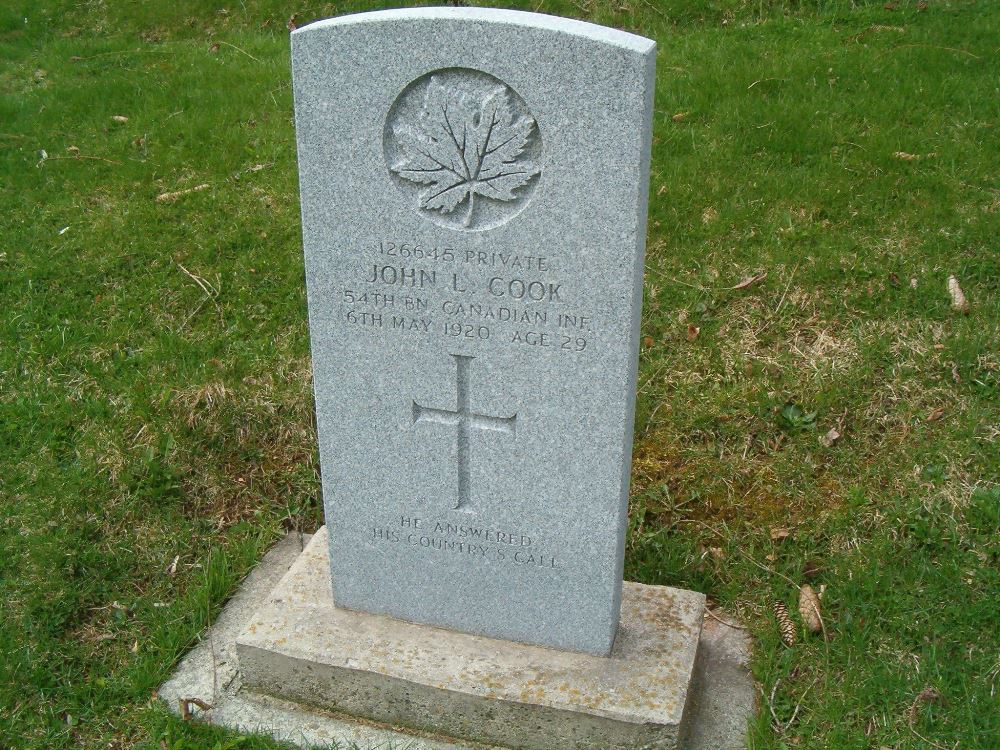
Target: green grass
{"points": [[154, 369]]}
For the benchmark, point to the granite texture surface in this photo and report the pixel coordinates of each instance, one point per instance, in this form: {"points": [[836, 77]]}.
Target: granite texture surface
{"points": [[300, 647], [474, 188]]}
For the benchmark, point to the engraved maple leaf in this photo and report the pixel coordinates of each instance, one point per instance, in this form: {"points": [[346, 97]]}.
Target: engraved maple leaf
{"points": [[464, 145]]}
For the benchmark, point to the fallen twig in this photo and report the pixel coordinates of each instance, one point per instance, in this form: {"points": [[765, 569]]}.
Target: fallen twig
{"points": [[780, 727], [654, 8], [76, 158], [766, 569], [798, 705], [762, 80], [775, 722], [186, 703], [211, 294], [788, 286], [715, 617], [169, 197], [935, 46], [239, 49], [932, 743]]}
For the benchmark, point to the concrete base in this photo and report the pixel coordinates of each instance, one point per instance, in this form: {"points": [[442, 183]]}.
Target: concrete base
{"points": [[435, 681], [301, 647]]}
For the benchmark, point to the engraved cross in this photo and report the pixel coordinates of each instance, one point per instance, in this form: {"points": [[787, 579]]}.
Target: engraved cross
{"points": [[465, 420]]}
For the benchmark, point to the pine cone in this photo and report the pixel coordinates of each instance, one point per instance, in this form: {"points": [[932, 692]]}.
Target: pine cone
{"points": [[785, 624], [809, 609]]}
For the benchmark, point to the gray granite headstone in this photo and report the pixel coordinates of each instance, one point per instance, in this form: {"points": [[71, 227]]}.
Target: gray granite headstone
{"points": [[474, 188]]}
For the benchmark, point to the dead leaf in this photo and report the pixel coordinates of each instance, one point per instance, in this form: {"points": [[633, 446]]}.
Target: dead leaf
{"points": [[693, 332], [913, 283], [958, 300], [214, 47], [134, 648], [749, 281], [172, 568], [779, 534], [291, 22], [170, 197], [647, 341], [809, 609], [831, 437], [927, 695], [936, 415], [680, 116], [119, 118]]}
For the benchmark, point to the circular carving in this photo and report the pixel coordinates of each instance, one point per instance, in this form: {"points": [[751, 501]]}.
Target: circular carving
{"points": [[464, 148]]}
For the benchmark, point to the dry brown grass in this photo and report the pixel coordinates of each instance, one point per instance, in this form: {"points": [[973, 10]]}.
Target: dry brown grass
{"points": [[248, 444]]}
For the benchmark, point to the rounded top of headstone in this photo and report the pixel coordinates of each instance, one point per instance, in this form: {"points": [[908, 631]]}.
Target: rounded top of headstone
{"points": [[542, 21]]}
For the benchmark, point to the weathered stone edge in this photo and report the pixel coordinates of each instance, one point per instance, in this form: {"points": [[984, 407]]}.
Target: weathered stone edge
{"points": [[462, 716]]}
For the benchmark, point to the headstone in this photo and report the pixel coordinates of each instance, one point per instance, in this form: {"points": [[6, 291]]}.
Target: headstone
{"points": [[474, 189]]}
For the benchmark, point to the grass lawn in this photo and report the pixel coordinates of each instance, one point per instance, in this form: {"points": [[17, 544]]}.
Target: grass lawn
{"points": [[835, 421]]}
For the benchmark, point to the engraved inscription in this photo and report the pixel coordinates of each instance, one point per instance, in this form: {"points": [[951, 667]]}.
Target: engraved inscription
{"points": [[463, 145], [465, 420], [492, 545], [509, 298]]}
